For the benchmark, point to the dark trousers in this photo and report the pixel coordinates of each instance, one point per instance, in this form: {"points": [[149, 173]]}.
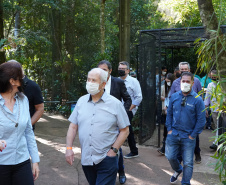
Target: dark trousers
{"points": [[19, 174], [120, 162], [103, 173], [197, 149], [131, 139], [208, 120]]}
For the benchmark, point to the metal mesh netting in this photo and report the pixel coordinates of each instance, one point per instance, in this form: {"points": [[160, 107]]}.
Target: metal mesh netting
{"points": [[150, 60], [147, 77]]}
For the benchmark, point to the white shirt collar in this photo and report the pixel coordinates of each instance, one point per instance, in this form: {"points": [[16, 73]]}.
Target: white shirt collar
{"points": [[108, 85]]}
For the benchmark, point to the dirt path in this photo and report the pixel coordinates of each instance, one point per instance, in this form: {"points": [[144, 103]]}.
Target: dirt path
{"points": [[150, 168]]}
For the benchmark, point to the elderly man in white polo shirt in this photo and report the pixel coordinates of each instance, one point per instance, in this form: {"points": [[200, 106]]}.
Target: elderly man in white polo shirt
{"points": [[102, 123]]}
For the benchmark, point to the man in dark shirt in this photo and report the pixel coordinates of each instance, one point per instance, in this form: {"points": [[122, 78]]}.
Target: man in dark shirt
{"points": [[34, 95]]}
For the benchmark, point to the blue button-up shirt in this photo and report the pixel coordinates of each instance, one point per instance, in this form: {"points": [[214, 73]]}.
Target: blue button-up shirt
{"points": [[176, 86], [185, 120], [98, 125], [20, 140]]}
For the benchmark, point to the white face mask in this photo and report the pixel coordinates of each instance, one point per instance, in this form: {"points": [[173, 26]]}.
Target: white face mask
{"points": [[168, 83], [163, 73], [185, 87], [92, 88]]}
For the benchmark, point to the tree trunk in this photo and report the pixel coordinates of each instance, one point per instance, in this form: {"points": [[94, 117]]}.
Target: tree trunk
{"points": [[70, 47], [56, 53], [2, 53], [124, 30], [209, 20], [102, 26], [17, 23], [208, 15]]}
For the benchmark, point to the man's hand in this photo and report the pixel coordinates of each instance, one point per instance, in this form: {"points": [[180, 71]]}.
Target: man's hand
{"points": [[69, 156], [207, 114], [132, 107], [2, 145], [191, 138], [35, 170], [170, 132], [111, 153]]}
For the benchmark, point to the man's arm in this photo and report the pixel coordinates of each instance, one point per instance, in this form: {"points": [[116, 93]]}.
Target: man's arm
{"points": [[120, 140], [207, 99], [125, 96], [199, 86], [39, 109], [169, 117], [173, 88], [71, 133], [201, 118], [137, 95]]}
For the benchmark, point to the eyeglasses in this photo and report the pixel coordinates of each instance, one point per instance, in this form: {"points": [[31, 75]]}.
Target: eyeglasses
{"points": [[183, 102]]}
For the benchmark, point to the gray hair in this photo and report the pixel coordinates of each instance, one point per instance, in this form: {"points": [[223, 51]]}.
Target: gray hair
{"points": [[124, 63], [214, 71], [184, 63], [13, 61], [103, 74]]}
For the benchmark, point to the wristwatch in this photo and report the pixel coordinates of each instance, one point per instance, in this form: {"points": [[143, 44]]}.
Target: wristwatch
{"points": [[114, 149]]}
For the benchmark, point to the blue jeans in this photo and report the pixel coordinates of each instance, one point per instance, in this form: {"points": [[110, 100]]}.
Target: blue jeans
{"points": [[103, 173], [175, 144]]}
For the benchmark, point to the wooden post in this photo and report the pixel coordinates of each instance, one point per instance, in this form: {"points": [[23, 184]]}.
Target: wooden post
{"points": [[124, 30]]}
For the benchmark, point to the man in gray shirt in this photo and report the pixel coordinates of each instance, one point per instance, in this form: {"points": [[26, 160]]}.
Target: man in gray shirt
{"points": [[102, 123]]}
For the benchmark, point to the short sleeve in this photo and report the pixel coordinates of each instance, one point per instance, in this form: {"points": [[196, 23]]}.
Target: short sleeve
{"points": [[37, 95], [74, 115]]}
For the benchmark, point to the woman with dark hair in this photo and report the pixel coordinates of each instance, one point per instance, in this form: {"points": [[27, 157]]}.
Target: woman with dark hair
{"points": [[165, 92], [16, 130]]}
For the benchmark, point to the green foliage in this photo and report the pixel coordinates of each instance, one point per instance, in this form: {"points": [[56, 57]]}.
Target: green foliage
{"points": [[219, 155], [209, 53], [179, 13], [79, 37]]}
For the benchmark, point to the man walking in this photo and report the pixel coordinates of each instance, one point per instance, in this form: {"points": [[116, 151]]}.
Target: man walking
{"points": [[185, 120], [185, 67], [34, 95], [117, 88], [102, 124], [134, 90], [210, 99]]}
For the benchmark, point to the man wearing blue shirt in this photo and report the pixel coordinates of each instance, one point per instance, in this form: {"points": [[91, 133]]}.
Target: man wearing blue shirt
{"points": [[185, 67], [185, 121]]}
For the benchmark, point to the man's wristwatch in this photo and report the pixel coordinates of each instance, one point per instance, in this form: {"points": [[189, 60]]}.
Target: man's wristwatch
{"points": [[114, 149]]}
